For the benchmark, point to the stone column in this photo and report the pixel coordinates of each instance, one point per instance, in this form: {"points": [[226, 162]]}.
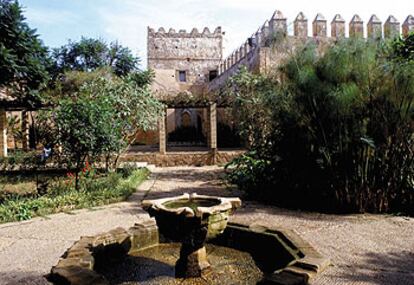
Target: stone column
{"points": [[391, 28], [338, 27], [374, 28], [300, 26], [408, 25], [162, 133], [356, 27], [3, 133], [25, 130], [212, 126]]}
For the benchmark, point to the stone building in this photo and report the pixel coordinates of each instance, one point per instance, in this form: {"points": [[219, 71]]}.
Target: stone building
{"points": [[190, 66], [271, 43], [183, 63]]}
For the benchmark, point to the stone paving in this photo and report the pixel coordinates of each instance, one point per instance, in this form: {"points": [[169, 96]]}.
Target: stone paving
{"points": [[364, 249]]}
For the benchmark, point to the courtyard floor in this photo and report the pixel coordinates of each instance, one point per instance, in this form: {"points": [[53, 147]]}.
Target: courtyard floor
{"points": [[364, 249]]}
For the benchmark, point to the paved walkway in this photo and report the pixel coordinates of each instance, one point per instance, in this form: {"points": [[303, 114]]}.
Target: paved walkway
{"points": [[364, 249]]}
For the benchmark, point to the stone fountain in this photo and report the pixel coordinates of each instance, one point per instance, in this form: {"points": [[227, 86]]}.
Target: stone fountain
{"points": [[192, 220], [189, 240]]}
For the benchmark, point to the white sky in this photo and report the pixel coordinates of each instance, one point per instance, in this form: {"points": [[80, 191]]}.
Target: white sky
{"points": [[127, 20]]}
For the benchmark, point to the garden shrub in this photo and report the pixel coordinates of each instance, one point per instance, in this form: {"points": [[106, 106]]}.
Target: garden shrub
{"points": [[335, 130], [62, 196], [22, 160]]}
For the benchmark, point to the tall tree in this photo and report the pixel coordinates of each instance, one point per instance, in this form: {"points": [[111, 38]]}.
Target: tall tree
{"points": [[90, 54], [23, 57]]}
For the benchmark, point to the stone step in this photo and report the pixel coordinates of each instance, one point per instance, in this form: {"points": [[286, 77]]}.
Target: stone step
{"points": [[151, 167], [138, 164]]}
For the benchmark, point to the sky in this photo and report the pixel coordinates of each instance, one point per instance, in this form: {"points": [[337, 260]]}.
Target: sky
{"points": [[126, 21]]}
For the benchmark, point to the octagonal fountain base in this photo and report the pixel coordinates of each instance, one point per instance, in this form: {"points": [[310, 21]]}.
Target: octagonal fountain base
{"points": [[141, 255]]}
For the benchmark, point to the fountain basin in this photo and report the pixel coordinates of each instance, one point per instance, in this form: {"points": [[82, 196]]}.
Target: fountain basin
{"points": [[192, 220], [280, 255], [178, 216]]}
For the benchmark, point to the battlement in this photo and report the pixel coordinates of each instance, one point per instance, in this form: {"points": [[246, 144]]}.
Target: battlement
{"points": [[183, 61], [275, 29], [195, 33]]}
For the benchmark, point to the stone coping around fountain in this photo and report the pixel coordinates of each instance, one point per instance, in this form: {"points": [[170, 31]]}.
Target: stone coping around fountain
{"points": [[224, 204], [307, 262], [78, 264]]}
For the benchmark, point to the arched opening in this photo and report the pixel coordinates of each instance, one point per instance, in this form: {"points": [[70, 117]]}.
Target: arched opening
{"points": [[186, 119]]}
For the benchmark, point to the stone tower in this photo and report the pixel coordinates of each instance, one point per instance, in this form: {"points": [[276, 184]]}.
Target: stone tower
{"points": [[182, 61]]}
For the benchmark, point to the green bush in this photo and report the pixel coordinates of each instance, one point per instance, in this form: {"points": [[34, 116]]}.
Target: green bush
{"points": [[62, 196], [23, 160], [251, 174], [336, 128]]}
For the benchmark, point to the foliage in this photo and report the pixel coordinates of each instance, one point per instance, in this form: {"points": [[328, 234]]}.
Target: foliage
{"points": [[63, 197], [403, 48], [90, 54], [251, 173], [248, 93], [14, 129], [337, 129], [22, 160], [86, 127], [23, 57], [133, 105], [100, 115]]}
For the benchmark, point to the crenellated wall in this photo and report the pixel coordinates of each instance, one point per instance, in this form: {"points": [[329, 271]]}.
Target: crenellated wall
{"points": [[257, 53], [197, 53]]}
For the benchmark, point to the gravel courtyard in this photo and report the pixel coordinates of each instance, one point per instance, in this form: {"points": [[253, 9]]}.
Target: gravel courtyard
{"points": [[364, 249]]}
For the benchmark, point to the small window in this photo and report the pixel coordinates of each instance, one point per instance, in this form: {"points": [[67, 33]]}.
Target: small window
{"points": [[182, 76], [212, 74]]}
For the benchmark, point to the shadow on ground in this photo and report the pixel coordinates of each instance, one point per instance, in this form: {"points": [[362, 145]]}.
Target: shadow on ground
{"points": [[382, 269], [23, 278]]}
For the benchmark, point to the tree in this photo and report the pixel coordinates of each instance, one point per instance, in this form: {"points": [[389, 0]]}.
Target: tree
{"points": [[135, 106], [101, 118], [91, 54], [86, 129], [23, 57]]}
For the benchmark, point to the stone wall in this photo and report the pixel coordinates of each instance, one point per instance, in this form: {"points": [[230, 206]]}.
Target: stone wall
{"points": [[197, 158], [271, 43], [196, 53]]}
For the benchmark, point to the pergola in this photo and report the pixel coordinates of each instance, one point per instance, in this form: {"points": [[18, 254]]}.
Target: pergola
{"points": [[211, 123]]}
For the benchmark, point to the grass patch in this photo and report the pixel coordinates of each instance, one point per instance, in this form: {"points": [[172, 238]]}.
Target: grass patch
{"points": [[61, 197]]}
